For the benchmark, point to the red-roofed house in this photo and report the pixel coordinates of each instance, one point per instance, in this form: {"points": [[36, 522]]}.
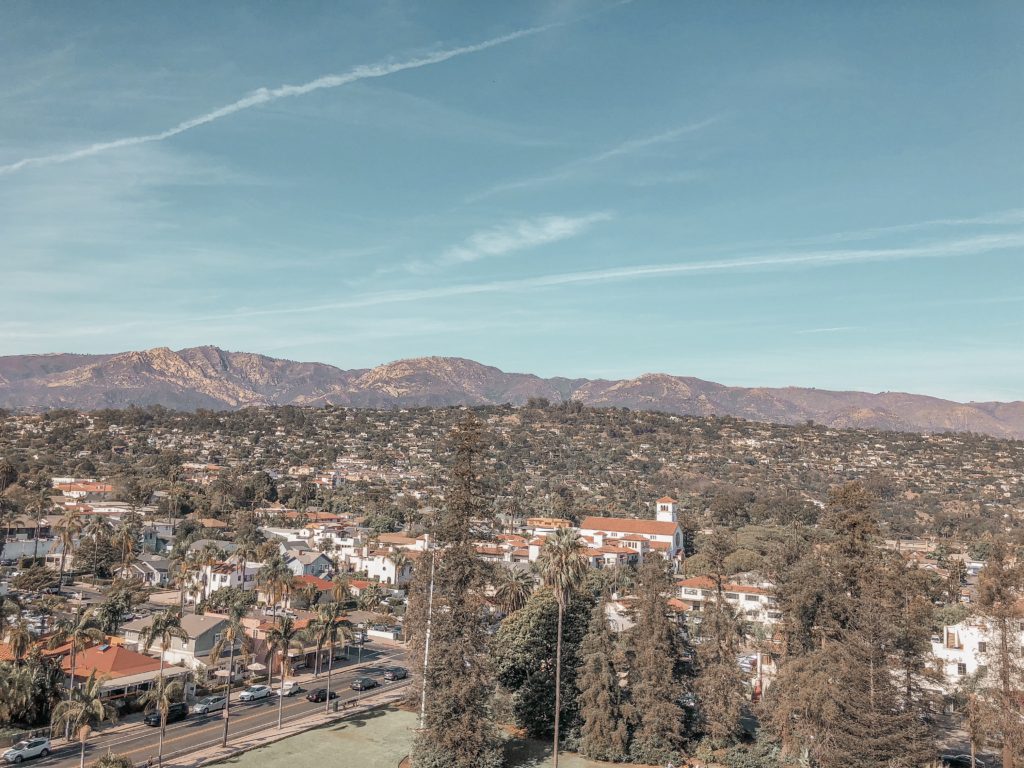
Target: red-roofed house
{"points": [[664, 535], [755, 603]]}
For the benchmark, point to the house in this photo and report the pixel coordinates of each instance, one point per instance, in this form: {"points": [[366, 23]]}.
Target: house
{"points": [[662, 534], [86, 489], [203, 632], [380, 565], [154, 570], [961, 649], [754, 603], [123, 672], [308, 563], [217, 576]]}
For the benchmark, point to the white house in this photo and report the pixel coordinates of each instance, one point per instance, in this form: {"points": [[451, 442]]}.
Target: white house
{"points": [[755, 603], [228, 574], [961, 649], [662, 534]]}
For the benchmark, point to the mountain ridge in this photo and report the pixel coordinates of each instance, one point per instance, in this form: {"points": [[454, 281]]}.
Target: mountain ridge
{"points": [[210, 377]]}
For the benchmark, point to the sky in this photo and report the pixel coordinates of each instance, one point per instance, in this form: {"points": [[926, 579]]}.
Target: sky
{"points": [[822, 194]]}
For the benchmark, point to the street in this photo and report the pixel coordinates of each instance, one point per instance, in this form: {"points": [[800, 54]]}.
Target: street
{"points": [[139, 742]]}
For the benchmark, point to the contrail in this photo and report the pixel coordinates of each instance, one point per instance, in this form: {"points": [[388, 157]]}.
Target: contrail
{"points": [[266, 95]]}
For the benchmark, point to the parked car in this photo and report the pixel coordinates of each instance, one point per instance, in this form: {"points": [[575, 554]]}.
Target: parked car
{"points": [[960, 761], [175, 712], [290, 689], [363, 684], [23, 750], [320, 694], [396, 673], [254, 692], [209, 704]]}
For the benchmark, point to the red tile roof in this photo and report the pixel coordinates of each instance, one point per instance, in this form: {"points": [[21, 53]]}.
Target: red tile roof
{"points": [[110, 661], [628, 525]]}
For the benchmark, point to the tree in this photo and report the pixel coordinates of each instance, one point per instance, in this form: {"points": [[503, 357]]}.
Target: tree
{"points": [[166, 626], [513, 588], [719, 686], [20, 638], [275, 579], [562, 567], [69, 528], [999, 602], [524, 653], [328, 626], [83, 709], [656, 669], [280, 640], [159, 699], [448, 613], [232, 635], [604, 731], [78, 630]]}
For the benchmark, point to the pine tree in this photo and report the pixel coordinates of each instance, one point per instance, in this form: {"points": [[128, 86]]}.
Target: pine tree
{"points": [[457, 729], [719, 685], [655, 675], [604, 734], [999, 602], [872, 726]]}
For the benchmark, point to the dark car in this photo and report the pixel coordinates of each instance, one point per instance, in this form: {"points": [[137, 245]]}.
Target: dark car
{"points": [[177, 711], [363, 684], [960, 761], [396, 673], [320, 694]]}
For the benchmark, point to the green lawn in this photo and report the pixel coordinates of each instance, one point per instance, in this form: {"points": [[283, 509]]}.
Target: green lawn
{"points": [[378, 739]]}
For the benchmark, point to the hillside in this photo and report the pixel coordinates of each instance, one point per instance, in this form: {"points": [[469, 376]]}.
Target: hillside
{"points": [[208, 377]]}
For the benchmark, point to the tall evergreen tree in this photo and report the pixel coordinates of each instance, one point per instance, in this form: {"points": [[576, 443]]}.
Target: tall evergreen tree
{"points": [[448, 605], [999, 602], [656, 670], [719, 684], [604, 732], [524, 654]]}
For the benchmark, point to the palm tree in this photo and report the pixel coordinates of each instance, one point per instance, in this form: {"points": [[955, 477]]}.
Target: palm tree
{"points": [[514, 587], [10, 608], [275, 578], [69, 528], [160, 699], [339, 588], [233, 634], [166, 626], [79, 630], [94, 530], [563, 567], [281, 639], [401, 561], [371, 598], [126, 538], [37, 512], [326, 628], [81, 711], [20, 637]]}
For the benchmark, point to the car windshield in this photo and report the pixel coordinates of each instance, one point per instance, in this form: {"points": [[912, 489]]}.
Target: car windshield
{"points": [[21, 745], [207, 699]]}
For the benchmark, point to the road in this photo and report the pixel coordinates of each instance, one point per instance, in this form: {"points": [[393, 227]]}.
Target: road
{"points": [[139, 741]]}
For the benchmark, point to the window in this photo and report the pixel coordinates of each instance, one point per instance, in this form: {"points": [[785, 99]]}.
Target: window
{"points": [[688, 591], [961, 669], [982, 647], [731, 596], [952, 641], [774, 615], [753, 598]]}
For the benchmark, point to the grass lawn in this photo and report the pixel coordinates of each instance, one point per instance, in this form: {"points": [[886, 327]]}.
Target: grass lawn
{"points": [[379, 739]]}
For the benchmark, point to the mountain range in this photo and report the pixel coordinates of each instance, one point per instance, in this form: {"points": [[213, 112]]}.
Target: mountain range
{"points": [[209, 377]]}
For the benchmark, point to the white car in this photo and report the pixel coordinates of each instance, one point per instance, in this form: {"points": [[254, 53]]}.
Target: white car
{"points": [[208, 704], [26, 749], [254, 692], [290, 689]]}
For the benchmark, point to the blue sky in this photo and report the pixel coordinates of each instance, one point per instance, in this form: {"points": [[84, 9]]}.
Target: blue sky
{"points": [[820, 193]]}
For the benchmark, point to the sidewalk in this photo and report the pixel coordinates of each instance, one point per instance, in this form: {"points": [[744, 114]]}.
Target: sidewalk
{"points": [[306, 680], [262, 738]]}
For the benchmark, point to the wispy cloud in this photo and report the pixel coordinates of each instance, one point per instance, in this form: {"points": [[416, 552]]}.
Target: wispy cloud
{"points": [[266, 95], [957, 248], [520, 236], [833, 329], [567, 170]]}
